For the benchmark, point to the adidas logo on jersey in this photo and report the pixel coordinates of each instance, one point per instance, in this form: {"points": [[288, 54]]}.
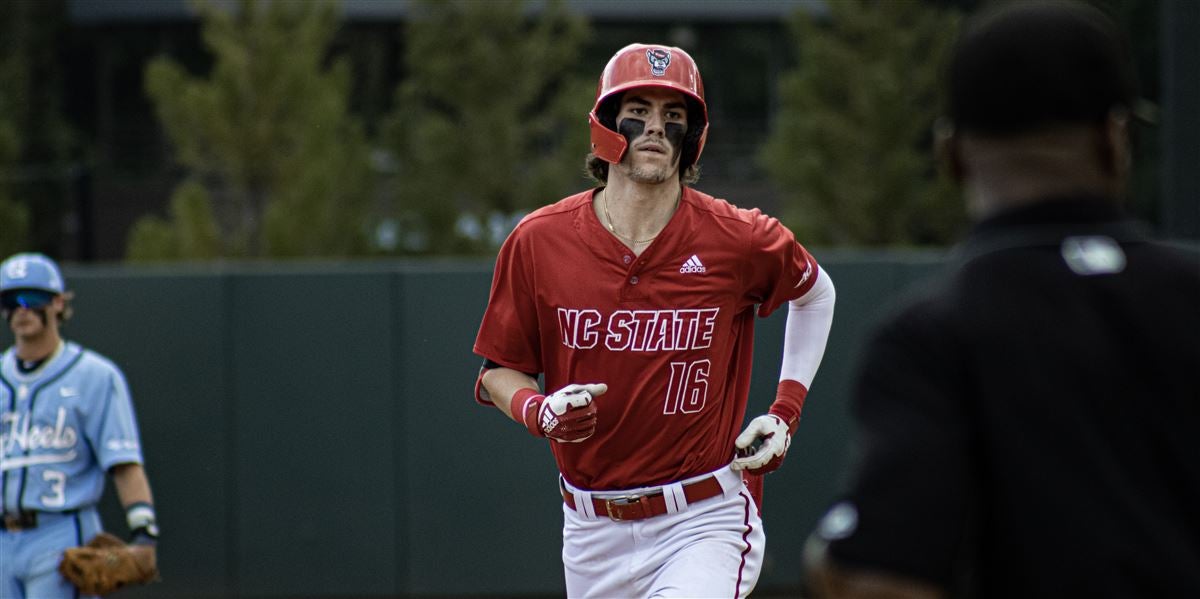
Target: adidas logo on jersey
{"points": [[693, 265]]}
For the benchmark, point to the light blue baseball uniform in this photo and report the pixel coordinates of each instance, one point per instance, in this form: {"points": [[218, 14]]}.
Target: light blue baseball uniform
{"points": [[62, 426]]}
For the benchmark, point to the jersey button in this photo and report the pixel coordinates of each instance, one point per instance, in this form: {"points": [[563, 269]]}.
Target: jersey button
{"points": [[628, 259], [633, 280]]}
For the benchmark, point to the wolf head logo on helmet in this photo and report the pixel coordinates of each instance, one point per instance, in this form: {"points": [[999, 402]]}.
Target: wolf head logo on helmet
{"points": [[659, 59]]}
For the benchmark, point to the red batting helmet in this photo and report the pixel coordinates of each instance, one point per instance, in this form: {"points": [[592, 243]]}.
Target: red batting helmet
{"points": [[642, 65]]}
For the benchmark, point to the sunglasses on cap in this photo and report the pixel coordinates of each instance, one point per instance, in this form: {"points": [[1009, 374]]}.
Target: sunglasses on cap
{"points": [[25, 298]]}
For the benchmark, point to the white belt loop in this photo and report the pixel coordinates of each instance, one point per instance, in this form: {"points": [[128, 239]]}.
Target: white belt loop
{"points": [[584, 506], [583, 500], [730, 479], [676, 500]]}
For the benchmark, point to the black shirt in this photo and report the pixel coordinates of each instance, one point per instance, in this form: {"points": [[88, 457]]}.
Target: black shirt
{"points": [[1030, 426]]}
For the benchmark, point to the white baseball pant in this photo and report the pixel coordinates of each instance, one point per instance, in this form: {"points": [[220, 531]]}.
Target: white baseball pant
{"points": [[712, 548]]}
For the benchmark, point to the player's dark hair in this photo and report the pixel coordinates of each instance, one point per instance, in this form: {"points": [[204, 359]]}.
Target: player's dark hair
{"points": [[67, 311], [1031, 65]]}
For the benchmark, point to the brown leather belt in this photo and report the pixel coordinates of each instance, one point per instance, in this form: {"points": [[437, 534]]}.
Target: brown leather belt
{"points": [[20, 521], [640, 507]]}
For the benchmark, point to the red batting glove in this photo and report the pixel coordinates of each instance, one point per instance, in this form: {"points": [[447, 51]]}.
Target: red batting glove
{"points": [[567, 415]]}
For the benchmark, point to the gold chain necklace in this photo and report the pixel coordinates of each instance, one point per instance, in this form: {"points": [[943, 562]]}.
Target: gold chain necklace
{"points": [[613, 230]]}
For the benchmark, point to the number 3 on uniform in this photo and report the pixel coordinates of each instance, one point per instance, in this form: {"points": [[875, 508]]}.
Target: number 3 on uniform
{"points": [[688, 389], [57, 482]]}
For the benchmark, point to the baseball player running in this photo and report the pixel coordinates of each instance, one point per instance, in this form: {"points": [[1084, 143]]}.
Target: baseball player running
{"points": [[65, 421], [636, 300]]}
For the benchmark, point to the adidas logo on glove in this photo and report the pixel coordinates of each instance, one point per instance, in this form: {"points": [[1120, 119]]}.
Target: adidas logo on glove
{"points": [[693, 265]]}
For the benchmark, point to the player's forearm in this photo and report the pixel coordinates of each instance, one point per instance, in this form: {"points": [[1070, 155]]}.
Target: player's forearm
{"points": [[502, 383], [131, 484], [133, 489], [809, 319]]}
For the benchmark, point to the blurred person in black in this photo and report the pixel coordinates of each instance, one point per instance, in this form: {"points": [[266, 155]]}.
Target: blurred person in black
{"points": [[1029, 426]]}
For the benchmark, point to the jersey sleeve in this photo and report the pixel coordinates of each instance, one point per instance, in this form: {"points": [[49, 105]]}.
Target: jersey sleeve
{"points": [[509, 333], [907, 508], [780, 268], [112, 429]]}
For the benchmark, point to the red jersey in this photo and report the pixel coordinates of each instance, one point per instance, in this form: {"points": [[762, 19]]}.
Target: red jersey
{"points": [[670, 331]]}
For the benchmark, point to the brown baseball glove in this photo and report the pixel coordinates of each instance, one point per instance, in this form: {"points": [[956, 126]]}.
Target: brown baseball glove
{"points": [[106, 564]]}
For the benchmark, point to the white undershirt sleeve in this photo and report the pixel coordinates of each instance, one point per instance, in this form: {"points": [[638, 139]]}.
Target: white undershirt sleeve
{"points": [[809, 319]]}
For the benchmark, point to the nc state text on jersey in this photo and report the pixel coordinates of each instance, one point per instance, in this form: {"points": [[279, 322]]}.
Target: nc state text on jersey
{"points": [[638, 330]]}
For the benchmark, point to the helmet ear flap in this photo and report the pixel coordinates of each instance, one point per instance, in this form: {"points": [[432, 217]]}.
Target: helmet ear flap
{"points": [[607, 143], [692, 140], [608, 109]]}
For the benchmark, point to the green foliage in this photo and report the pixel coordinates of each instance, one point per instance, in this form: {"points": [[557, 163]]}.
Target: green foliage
{"points": [[489, 121], [269, 134], [852, 145], [189, 234]]}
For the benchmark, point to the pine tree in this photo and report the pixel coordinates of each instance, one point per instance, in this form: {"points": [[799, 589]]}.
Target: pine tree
{"points": [[852, 147], [489, 121], [277, 166], [189, 234]]}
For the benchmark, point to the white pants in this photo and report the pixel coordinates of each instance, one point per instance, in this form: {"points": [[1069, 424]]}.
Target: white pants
{"points": [[712, 548]]}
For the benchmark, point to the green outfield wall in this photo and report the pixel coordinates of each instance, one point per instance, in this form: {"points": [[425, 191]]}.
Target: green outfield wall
{"points": [[310, 429]]}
